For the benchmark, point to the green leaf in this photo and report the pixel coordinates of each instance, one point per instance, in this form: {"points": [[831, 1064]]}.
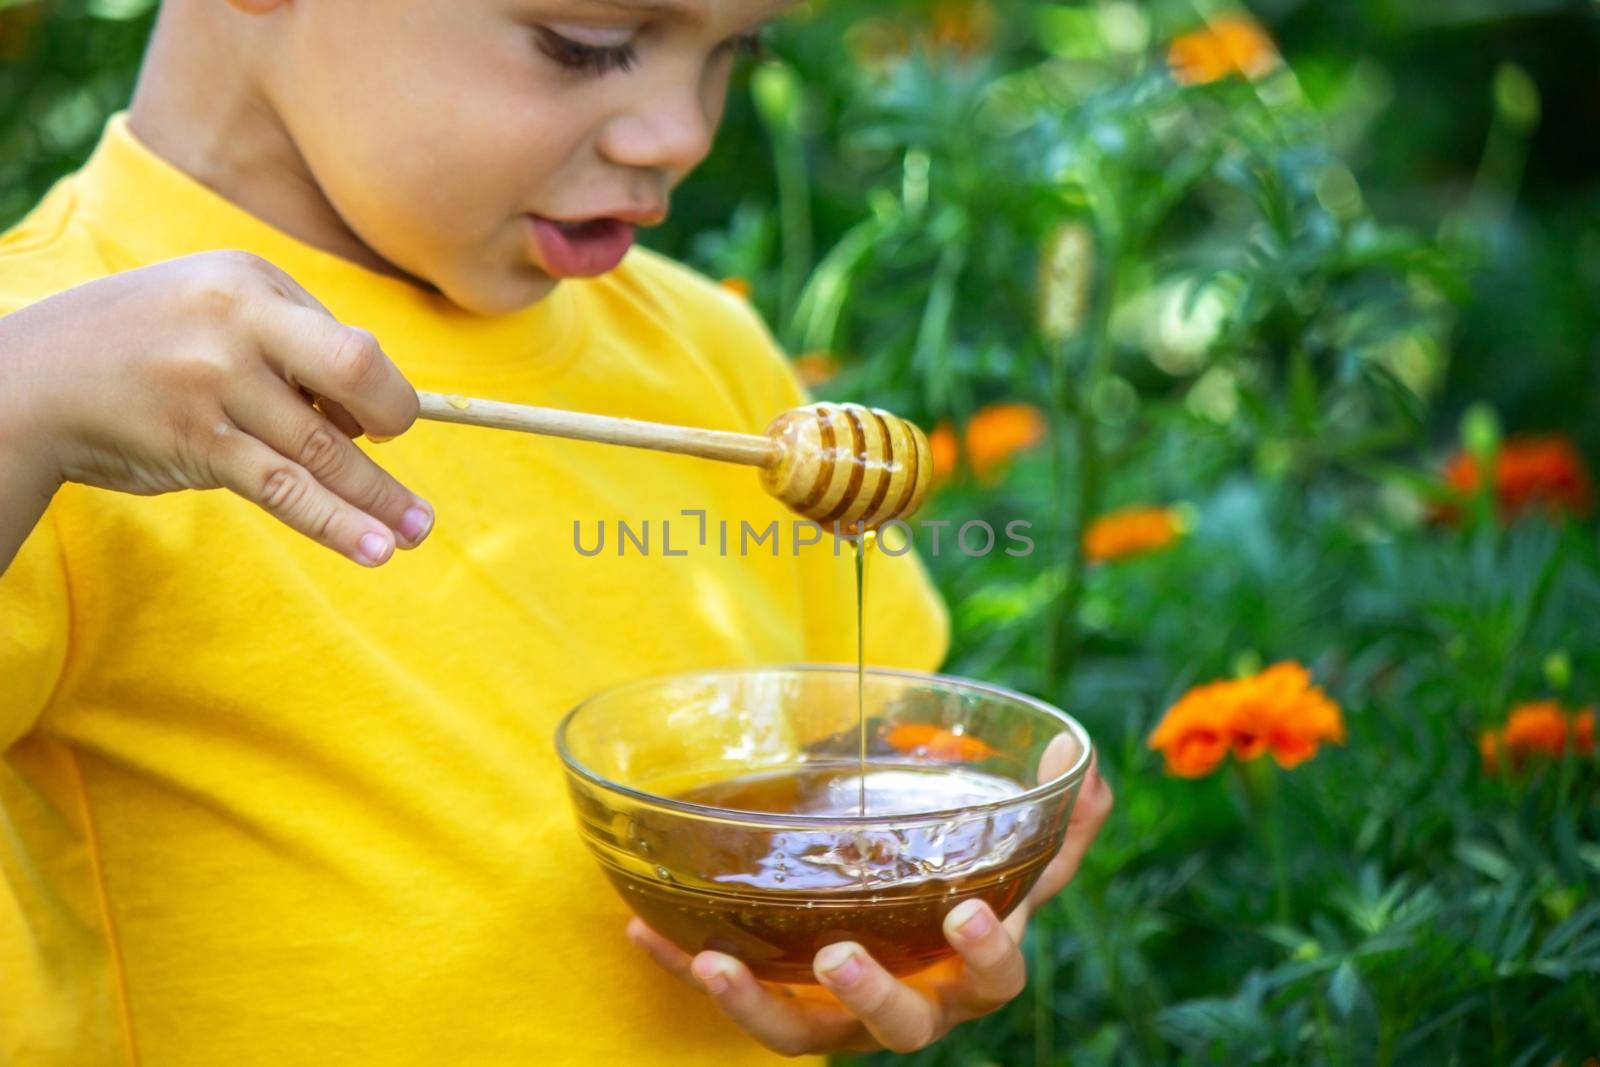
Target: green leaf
{"points": [[1344, 988]]}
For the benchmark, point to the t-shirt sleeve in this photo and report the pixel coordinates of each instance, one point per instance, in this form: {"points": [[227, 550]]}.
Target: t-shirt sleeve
{"points": [[906, 621], [35, 619]]}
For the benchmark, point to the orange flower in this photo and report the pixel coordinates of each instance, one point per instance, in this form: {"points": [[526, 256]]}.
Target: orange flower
{"points": [[1130, 532], [1538, 728], [1530, 472], [18, 23], [1277, 711], [963, 26], [999, 432], [816, 368], [1231, 44], [1489, 750], [924, 739], [739, 287], [942, 442], [993, 437]]}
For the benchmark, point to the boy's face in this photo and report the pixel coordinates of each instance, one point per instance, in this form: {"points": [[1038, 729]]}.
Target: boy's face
{"points": [[491, 147]]}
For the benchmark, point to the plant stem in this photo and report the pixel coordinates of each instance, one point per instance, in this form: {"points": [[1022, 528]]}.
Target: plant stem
{"points": [[1326, 1027], [794, 213], [1260, 786], [1076, 399], [1044, 983]]}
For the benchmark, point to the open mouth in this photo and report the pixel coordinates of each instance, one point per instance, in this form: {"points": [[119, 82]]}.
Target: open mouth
{"points": [[580, 249]]}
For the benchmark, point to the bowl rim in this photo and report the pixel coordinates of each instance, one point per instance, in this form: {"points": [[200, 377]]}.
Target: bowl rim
{"points": [[1067, 779]]}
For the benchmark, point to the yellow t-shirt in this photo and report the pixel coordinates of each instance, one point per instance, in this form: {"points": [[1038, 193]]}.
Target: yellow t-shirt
{"points": [[260, 805]]}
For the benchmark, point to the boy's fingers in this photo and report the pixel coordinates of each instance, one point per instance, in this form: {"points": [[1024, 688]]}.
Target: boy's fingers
{"points": [[264, 407], [337, 415], [787, 1025], [345, 364], [667, 956], [902, 1019], [1059, 756], [289, 493], [285, 285], [1088, 816], [995, 971]]}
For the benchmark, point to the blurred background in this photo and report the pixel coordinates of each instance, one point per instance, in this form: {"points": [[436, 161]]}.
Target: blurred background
{"points": [[1279, 326]]}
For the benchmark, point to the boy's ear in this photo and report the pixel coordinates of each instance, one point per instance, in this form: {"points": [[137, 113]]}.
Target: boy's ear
{"points": [[257, 7]]}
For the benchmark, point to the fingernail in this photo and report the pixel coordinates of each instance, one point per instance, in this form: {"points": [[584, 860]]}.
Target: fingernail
{"points": [[970, 919], [374, 548], [839, 964], [378, 438], [713, 975], [415, 524]]}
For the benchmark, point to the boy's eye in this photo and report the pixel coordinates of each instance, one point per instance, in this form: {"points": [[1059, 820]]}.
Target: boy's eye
{"points": [[600, 58], [589, 58]]}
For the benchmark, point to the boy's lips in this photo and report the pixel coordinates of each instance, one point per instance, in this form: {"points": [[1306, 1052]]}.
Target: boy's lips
{"points": [[580, 249]]}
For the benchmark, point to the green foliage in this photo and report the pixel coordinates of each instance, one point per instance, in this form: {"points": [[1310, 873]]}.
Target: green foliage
{"points": [[1203, 289], [63, 68], [1190, 283]]}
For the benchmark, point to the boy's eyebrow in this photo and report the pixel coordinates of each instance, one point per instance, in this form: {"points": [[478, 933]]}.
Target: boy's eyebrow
{"points": [[668, 9]]}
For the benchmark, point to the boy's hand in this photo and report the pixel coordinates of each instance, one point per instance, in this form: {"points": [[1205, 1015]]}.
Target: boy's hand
{"points": [[866, 1008], [212, 371]]}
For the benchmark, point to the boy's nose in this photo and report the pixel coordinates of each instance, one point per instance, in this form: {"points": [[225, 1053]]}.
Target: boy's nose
{"points": [[670, 131]]}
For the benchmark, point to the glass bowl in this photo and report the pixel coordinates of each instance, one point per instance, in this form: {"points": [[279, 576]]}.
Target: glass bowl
{"points": [[725, 806]]}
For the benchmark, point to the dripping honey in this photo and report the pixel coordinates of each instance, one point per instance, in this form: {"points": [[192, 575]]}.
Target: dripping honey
{"points": [[862, 547]]}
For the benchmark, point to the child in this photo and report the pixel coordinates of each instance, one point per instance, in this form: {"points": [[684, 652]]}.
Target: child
{"points": [[261, 805]]}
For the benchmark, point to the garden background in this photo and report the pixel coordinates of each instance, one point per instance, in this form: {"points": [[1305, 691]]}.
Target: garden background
{"points": [[1236, 307]]}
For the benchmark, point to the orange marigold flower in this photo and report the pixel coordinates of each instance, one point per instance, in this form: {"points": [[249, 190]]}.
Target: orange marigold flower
{"points": [[1277, 711], [1489, 750], [993, 437], [1131, 531], [1530, 472], [739, 287], [924, 739], [816, 368], [963, 26], [1231, 44], [998, 432], [942, 443], [1538, 728]]}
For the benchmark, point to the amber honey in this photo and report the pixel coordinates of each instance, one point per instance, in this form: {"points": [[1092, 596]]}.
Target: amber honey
{"points": [[772, 896]]}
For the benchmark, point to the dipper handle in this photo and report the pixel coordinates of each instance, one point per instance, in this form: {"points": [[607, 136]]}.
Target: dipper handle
{"points": [[607, 429], [832, 463]]}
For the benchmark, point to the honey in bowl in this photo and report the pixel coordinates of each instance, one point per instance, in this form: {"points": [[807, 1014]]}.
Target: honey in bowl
{"points": [[724, 805], [774, 899]]}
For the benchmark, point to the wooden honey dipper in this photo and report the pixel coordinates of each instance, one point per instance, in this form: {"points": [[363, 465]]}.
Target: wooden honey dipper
{"points": [[856, 466]]}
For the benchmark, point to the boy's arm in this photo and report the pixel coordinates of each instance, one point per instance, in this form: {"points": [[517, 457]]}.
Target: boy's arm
{"points": [[24, 489], [35, 610], [35, 622], [26, 479], [191, 373]]}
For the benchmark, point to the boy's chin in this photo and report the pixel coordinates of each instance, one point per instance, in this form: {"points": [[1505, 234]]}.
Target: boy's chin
{"points": [[500, 292]]}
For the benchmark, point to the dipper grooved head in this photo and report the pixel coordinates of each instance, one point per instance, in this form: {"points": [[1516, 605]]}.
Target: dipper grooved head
{"points": [[856, 466]]}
